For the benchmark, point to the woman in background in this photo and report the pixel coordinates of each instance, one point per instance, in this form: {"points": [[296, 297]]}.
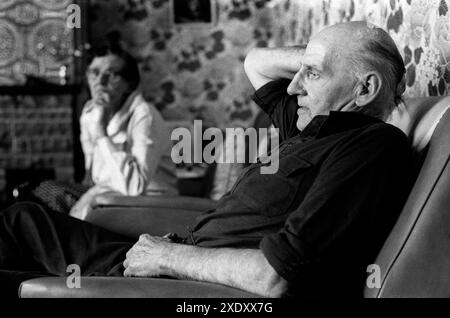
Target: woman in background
{"points": [[125, 141]]}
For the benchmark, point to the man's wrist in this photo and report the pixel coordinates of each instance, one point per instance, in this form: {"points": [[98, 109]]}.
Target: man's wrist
{"points": [[168, 260]]}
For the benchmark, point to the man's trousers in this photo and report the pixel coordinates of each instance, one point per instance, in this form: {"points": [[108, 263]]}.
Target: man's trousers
{"points": [[35, 242]]}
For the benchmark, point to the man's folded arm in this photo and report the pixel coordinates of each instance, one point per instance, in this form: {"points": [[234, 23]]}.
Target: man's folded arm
{"points": [[279, 106], [270, 70], [263, 65]]}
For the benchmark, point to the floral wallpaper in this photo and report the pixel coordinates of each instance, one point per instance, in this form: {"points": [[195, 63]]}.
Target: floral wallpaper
{"points": [[197, 72], [190, 71], [421, 29], [34, 40]]}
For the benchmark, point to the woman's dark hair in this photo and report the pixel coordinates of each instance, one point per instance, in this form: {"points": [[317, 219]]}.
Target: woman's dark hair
{"points": [[130, 70]]}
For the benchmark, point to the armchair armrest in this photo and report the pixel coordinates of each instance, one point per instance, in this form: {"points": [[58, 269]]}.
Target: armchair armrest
{"points": [[121, 287], [113, 199], [155, 215]]}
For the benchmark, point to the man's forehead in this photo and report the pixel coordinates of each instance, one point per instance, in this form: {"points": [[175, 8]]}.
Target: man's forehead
{"points": [[330, 46], [316, 54]]}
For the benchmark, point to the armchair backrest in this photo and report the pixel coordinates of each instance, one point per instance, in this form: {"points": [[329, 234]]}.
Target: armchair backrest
{"points": [[415, 259]]}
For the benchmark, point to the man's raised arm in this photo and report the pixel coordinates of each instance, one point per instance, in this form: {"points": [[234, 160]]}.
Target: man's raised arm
{"points": [[263, 65]]}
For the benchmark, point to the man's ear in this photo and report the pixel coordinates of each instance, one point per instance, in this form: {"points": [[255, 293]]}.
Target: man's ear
{"points": [[368, 88]]}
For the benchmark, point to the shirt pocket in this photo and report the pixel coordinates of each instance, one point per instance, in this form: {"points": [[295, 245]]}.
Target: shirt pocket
{"points": [[273, 194]]}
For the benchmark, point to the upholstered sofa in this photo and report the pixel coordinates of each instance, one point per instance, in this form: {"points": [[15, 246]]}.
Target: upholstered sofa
{"points": [[414, 262]]}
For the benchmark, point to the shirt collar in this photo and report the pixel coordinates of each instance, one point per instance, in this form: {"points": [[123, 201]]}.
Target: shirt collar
{"points": [[336, 122], [123, 114]]}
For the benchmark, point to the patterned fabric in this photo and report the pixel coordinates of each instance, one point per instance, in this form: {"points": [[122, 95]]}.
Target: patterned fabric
{"points": [[34, 40], [58, 196]]}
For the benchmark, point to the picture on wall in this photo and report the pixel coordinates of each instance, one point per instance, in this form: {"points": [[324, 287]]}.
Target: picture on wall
{"points": [[193, 12]]}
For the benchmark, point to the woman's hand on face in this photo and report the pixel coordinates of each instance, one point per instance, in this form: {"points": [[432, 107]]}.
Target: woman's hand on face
{"points": [[101, 115], [101, 97]]}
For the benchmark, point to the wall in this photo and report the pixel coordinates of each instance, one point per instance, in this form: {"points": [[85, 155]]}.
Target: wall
{"points": [[198, 72], [34, 39], [190, 71], [35, 131], [420, 28]]}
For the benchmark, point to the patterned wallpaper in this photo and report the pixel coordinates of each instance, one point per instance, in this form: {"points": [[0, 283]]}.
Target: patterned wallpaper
{"points": [[421, 29], [34, 39], [190, 71], [198, 72], [35, 131]]}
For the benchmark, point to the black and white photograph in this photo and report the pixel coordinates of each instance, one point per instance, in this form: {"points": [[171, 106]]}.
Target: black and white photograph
{"points": [[237, 152]]}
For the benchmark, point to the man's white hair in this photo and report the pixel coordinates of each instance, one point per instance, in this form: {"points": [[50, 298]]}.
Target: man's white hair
{"points": [[378, 52]]}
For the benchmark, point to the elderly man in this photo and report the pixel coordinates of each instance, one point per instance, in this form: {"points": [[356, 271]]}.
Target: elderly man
{"points": [[309, 230]]}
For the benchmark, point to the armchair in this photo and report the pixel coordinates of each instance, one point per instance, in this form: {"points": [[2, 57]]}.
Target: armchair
{"points": [[414, 261]]}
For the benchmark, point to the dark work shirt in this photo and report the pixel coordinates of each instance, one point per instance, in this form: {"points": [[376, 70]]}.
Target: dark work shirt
{"points": [[322, 218]]}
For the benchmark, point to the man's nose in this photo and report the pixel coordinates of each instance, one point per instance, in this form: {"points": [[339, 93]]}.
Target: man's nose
{"points": [[296, 86]]}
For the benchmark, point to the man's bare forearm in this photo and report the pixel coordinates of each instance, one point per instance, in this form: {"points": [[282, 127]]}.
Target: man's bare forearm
{"points": [[245, 269], [266, 64]]}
